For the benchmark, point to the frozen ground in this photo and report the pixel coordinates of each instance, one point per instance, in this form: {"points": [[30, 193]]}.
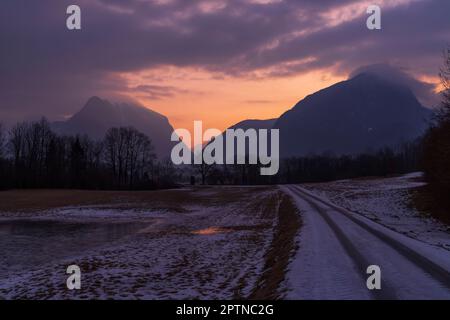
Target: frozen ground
{"points": [[337, 245], [190, 244], [224, 243], [386, 201]]}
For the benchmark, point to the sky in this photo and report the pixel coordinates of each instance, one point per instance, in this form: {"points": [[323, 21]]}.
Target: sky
{"points": [[219, 61]]}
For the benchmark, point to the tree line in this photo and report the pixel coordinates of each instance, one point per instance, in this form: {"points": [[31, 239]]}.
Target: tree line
{"points": [[33, 156], [319, 168], [436, 159]]}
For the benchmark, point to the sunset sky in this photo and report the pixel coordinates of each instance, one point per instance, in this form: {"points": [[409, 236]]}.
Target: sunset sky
{"points": [[217, 61]]}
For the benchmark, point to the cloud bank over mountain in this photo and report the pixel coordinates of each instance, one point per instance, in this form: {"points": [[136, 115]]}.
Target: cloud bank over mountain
{"points": [[423, 91]]}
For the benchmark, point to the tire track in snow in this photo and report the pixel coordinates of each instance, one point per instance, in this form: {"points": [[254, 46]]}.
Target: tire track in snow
{"points": [[360, 261], [340, 225]]}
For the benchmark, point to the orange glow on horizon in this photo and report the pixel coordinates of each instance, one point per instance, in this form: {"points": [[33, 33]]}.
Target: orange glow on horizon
{"points": [[186, 94]]}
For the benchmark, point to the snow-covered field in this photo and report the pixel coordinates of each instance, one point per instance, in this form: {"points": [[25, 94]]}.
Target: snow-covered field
{"points": [[209, 247], [386, 201], [225, 243], [349, 225]]}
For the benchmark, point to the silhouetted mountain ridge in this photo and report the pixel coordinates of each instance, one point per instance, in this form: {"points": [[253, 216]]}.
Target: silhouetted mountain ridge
{"points": [[98, 115], [254, 124], [364, 113]]}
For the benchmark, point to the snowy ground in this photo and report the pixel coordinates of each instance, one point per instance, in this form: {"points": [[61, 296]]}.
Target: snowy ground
{"points": [[224, 243], [209, 244], [336, 246], [386, 201]]}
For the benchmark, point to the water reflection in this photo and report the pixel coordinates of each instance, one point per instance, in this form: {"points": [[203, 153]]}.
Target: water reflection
{"points": [[26, 244], [210, 231]]}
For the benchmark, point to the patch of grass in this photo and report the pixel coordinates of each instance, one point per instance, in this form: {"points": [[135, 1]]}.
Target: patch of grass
{"points": [[34, 200], [278, 256]]}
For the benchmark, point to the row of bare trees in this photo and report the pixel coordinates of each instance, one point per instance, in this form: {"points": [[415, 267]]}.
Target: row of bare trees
{"points": [[317, 168], [2, 141], [31, 145], [33, 156], [129, 154]]}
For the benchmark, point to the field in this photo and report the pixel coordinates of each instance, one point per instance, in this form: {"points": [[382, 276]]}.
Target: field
{"points": [[391, 202], [229, 242], [310, 241]]}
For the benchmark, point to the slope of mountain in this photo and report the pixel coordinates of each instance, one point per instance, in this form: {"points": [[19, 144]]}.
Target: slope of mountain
{"points": [[254, 124], [361, 114], [98, 115], [245, 125]]}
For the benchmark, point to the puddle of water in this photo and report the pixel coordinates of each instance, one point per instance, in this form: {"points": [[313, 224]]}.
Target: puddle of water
{"points": [[210, 231], [26, 244], [217, 230]]}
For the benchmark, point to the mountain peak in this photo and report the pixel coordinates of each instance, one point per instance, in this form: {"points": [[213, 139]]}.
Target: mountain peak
{"points": [[372, 78], [98, 115], [95, 102], [254, 124], [365, 113], [423, 91]]}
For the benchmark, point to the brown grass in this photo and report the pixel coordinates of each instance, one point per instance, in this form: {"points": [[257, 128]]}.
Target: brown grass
{"points": [[43, 199], [264, 208], [282, 247]]}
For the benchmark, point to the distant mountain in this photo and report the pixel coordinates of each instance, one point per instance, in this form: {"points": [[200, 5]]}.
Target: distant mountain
{"points": [[245, 125], [98, 115], [254, 124], [364, 113]]}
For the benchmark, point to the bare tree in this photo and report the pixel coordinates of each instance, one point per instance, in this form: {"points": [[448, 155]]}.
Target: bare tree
{"points": [[30, 145], [2, 141], [444, 74], [17, 142], [37, 142], [203, 169], [129, 155], [436, 153]]}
